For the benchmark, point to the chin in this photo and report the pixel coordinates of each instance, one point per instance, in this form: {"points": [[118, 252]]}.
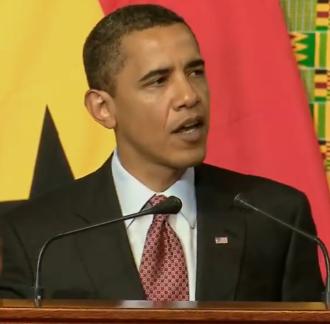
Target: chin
{"points": [[188, 159]]}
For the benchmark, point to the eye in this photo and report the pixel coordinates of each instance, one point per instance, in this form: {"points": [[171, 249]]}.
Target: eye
{"points": [[198, 72], [157, 82], [160, 80]]}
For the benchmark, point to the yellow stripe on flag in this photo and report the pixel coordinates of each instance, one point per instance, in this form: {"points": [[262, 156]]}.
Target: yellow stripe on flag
{"points": [[41, 64], [327, 122]]}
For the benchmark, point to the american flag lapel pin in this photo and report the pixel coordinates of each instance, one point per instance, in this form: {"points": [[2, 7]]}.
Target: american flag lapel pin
{"points": [[221, 240]]}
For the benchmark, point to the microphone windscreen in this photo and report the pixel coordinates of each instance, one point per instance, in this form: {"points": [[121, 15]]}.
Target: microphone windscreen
{"points": [[172, 205]]}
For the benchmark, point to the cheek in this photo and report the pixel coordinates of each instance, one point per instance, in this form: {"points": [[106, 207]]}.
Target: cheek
{"points": [[151, 111], [201, 87], [142, 121], [144, 112]]}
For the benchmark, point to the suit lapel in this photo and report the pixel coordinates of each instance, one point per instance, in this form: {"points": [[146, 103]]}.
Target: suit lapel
{"points": [[106, 255], [220, 238], [105, 252]]}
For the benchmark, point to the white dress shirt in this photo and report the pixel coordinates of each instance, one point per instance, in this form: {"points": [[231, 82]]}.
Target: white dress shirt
{"points": [[133, 195]]}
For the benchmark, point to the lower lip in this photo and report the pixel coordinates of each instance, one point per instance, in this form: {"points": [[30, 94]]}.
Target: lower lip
{"points": [[192, 135]]}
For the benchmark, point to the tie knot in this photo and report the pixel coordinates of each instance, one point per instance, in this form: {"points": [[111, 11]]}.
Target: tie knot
{"points": [[156, 199]]}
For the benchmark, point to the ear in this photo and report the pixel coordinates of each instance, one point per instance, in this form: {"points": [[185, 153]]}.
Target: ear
{"points": [[100, 105]]}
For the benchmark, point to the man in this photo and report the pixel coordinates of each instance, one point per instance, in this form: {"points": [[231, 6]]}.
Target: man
{"points": [[147, 83]]}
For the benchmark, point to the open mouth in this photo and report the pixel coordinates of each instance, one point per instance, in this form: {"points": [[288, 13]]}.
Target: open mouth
{"points": [[189, 126]]}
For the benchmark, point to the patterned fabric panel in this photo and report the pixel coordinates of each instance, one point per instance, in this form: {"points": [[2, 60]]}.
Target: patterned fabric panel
{"points": [[308, 24]]}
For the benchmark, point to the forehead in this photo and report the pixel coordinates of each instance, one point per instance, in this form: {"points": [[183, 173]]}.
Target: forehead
{"points": [[161, 45]]}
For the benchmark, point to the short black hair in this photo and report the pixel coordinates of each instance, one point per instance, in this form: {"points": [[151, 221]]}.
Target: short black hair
{"points": [[102, 55]]}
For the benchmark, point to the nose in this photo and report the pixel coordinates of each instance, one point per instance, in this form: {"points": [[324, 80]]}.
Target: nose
{"points": [[186, 94]]}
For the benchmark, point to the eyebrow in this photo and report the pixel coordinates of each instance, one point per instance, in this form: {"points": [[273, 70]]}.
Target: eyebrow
{"points": [[195, 63], [164, 71], [153, 73]]}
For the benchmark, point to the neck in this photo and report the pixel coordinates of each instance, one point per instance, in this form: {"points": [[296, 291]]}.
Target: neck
{"points": [[156, 177]]}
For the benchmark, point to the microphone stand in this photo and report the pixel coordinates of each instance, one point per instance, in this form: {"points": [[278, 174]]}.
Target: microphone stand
{"points": [[242, 202], [172, 205]]}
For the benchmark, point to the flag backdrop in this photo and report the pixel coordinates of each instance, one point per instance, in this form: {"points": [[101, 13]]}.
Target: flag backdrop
{"points": [[260, 119]]}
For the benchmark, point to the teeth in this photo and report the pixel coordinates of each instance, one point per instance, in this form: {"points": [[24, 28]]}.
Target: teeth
{"points": [[188, 130], [189, 127], [190, 124]]}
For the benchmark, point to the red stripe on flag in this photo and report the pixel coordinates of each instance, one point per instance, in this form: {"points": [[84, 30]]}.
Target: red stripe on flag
{"points": [[323, 14], [320, 85]]}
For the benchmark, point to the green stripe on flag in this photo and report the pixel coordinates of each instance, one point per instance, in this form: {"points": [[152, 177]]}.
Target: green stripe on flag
{"points": [[323, 49], [308, 77], [320, 99], [321, 120]]}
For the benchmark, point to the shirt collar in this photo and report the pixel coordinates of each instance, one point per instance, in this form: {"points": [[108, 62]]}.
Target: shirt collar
{"points": [[133, 194]]}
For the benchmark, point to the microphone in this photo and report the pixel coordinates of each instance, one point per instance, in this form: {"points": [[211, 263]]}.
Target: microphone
{"points": [[239, 200], [172, 205]]}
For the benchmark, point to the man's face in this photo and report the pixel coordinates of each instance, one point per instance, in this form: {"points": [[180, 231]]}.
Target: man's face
{"points": [[161, 102]]}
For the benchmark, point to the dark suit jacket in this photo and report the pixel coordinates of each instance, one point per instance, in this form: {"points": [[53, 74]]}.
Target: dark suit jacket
{"points": [[261, 261]]}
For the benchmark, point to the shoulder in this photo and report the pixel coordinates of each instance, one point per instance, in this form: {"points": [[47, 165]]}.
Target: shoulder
{"points": [[259, 190]]}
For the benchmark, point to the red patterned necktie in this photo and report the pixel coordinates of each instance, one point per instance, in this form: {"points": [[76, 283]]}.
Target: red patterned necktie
{"points": [[163, 269]]}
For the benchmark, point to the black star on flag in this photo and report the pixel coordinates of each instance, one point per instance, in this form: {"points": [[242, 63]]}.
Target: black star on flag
{"points": [[51, 169]]}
